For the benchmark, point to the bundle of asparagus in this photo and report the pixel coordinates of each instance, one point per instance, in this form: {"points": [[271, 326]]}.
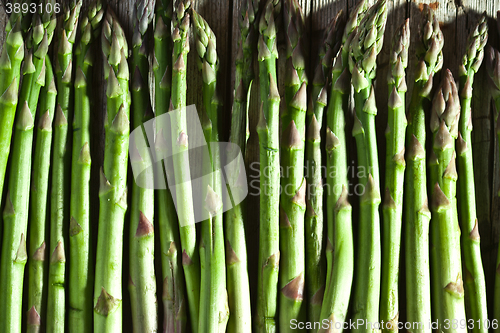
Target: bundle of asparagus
{"points": [[316, 259]]}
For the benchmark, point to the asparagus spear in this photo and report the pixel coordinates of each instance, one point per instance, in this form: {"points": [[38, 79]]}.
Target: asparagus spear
{"points": [[213, 301], [394, 177], [15, 215], [142, 281], [180, 149], [236, 251], [417, 216], [315, 254], [493, 69], [10, 71], [81, 265], [37, 290], [292, 199], [339, 278], [445, 233], [268, 132], [475, 284], [113, 190], [59, 203], [364, 48], [174, 302]]}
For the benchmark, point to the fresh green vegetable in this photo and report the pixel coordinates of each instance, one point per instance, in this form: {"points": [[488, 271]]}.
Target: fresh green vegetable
{"points": [[61, 161], [180, 149], [142, 281], [493, 69], [113, 190], [394, 178], [417, 214], [81, 268], [293, 183], [15, 216], [475, 284], [37, 267], [214, 311], [447, 281], [339, 244], [315, 247], [238, 286], [268, 132], [174, 302], [363, 51], [10, 71]]}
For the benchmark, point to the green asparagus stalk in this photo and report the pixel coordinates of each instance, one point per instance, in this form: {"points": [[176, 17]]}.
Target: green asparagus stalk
{"points": [[447, 280], [493, 69], [268, 132], [113, 190], [60, 192], [315, 252], [81, 266], [394, 178], [10, 71], [180, 149], [38, 270], [213, 300], [37, 290], [142, 280], [293, 184], [236, 250], [475, 284], [174, 302], [15, 215], [364, 48], [14, 254], [339, 279], [417, 216]]}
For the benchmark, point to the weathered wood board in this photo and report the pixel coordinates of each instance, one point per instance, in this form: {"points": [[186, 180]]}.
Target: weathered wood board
{"points": [[456, 18]]}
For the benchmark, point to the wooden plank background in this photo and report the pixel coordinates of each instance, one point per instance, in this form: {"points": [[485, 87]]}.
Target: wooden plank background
{"points": [[456, 17]]}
